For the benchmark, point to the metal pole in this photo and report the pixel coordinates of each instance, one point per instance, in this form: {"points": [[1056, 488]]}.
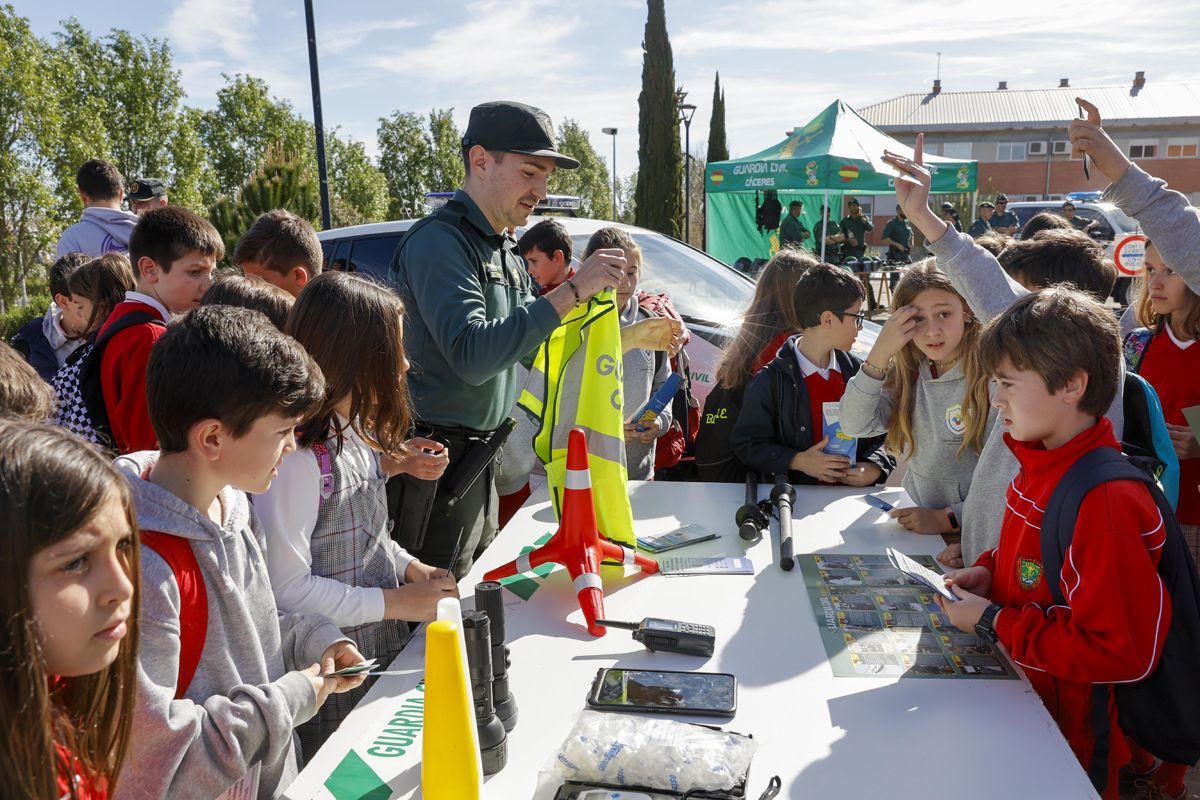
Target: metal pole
{"points": [[825, 225], [318, 122], [686, 110], [613, 133]]}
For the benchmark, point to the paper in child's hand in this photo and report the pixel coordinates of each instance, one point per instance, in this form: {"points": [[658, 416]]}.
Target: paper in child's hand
{"points": [[353, 669], [921, 574], [1192, 415]]}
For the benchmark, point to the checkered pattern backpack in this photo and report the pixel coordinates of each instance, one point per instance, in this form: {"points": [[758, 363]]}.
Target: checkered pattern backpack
{"points": [[80, 398]]}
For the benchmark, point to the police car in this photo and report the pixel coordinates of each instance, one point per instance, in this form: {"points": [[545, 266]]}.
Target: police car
{"points": [[709, 294]]}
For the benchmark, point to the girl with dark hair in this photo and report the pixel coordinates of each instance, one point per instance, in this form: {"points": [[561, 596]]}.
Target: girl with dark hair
{"points": [[768, 323], [69, 616], [98, 286], [329, 548]]}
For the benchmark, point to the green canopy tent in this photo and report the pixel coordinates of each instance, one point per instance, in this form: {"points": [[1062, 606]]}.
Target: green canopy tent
{"points": [[835, 154]]}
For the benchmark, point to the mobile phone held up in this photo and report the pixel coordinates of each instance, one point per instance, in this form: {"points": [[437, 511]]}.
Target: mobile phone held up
{"points": [[664, 692]]}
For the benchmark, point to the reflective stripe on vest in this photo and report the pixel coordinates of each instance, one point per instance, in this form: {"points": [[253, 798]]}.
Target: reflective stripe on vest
{"points": [[575, 381]]}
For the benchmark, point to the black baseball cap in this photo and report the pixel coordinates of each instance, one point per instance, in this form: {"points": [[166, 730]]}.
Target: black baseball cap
{"points": [[514, 128], [1002, 198], [146, 189]]}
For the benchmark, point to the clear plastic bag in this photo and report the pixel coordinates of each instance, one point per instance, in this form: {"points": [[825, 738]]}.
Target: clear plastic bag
{"points": [[626, 750]]}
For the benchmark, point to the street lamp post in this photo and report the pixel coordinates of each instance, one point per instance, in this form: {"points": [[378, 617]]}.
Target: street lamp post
{"points": [[613, 133], [686, 110]]}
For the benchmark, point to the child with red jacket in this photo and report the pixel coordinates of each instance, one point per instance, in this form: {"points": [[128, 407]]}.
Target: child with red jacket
{"points": [[1052, 357], [173, 253]]}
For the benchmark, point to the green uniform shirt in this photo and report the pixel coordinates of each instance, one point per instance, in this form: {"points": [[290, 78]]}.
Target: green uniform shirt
{"points": [[1080, 222], [469, 316], [1006, 220], [899, 231], [832, 251], [857, 227], [791, 229], [979, 227]]}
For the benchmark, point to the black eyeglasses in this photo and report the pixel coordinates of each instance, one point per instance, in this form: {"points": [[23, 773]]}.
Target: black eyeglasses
{"points": [[858, 318]]}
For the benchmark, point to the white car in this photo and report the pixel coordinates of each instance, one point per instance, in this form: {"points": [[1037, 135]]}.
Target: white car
{"points": [[1114, 225], [710, 295]]}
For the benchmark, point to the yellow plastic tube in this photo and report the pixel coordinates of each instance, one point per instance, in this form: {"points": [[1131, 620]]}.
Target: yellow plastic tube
{"points": [[450, 761]]}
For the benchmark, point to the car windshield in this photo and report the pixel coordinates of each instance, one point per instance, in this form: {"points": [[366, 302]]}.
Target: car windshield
{"points": [[700, 287]]}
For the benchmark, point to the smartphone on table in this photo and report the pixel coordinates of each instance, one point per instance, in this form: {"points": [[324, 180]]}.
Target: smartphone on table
{"points": [[664, 691]]}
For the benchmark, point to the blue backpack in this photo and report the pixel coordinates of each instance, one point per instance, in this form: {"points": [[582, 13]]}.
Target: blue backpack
{"points": [[1145, 439]]}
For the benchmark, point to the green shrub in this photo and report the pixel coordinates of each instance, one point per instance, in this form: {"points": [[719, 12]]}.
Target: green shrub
{"points": [[12, 320]]}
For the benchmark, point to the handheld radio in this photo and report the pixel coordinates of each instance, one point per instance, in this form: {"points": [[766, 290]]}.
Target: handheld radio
{"points": [[670, 636]]}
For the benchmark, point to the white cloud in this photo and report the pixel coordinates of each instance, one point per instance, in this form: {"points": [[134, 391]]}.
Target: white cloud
{"points": [[199, 26], [344, 37], [501, 43]]}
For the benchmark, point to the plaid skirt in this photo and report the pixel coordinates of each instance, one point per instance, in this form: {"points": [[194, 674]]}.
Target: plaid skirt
{"points": [[352, 543]]}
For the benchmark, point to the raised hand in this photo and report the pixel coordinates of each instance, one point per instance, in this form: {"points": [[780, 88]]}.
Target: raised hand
{"points": [[1088, 137], [912, 189]]}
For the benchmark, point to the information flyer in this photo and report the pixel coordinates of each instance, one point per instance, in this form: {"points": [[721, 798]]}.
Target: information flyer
{"points": [[874, 621]]}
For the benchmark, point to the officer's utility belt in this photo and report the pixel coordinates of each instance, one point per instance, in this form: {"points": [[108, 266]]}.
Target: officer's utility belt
{"points": [[471, 451]]}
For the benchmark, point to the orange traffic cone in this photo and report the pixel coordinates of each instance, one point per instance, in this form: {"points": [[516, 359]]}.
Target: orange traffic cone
{"points": [[577, 544]]}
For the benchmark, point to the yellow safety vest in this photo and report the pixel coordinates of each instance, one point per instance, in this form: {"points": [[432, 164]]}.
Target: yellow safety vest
{"points": [[575, 382]]}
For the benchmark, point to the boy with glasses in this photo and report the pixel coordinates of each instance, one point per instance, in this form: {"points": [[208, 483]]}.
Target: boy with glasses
{"points": [[780, 429]]}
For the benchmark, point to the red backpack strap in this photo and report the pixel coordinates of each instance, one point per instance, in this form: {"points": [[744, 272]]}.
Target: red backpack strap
{"points": [[193, 601]]}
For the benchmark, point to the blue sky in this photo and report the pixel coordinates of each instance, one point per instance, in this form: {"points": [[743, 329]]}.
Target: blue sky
{"points": [[780, 62]]}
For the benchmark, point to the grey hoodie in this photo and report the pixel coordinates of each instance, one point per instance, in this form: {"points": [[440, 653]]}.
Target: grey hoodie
{"points": [[99, 231], [938, 474], [643, 376], [243, 702], [1168, 220], [988, 290]]}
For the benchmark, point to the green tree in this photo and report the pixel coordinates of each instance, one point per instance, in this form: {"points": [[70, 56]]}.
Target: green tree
{"points": [[283, 180], [446, 171], [29, 119], [404, 157], [245, 125], [718, 147], [660, 164], [358, 190], [121, 100], [627, 192], [591, 181]]}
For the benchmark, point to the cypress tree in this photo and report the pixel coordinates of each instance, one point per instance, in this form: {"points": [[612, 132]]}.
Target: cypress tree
{"points": [[718, 147], [659, 196]]}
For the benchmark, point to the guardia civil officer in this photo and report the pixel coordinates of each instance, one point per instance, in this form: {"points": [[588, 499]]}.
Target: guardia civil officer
{"points": [[471, 314]]}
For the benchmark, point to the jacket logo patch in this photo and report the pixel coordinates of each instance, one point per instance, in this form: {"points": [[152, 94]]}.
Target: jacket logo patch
{"points": [[1029, 573], [955, 420]]}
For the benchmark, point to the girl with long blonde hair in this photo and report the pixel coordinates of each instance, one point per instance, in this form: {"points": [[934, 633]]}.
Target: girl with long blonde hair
{"points": [[921, 386]]}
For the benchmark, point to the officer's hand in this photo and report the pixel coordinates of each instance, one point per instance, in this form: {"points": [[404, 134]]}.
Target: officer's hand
{"points": [[602, 270]]}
